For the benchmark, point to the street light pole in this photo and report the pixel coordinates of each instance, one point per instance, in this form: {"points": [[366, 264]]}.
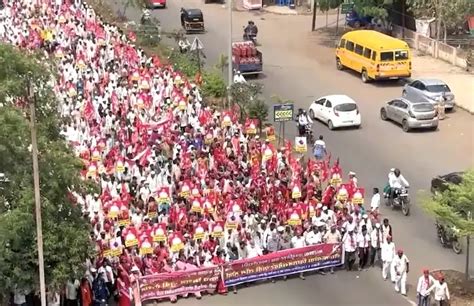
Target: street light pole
{"points": [[230, 68], [39, 229]]}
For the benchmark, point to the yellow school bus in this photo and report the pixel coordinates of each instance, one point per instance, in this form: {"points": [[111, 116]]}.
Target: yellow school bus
{"points": [[374, 55]]}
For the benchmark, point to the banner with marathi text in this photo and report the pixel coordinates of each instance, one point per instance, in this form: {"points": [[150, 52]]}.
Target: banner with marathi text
{"points": [[165, 285], [276, 264], [283, 263]]}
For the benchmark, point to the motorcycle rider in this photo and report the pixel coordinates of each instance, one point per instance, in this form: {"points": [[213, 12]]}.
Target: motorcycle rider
{"points": [[250, 31], [303, 122], [396, 181]]}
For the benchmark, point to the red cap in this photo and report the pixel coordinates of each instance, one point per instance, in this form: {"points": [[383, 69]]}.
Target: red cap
{"points": [[400, 251]]}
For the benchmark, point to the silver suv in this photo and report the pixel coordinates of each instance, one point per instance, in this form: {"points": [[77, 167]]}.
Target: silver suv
{"points": [[429, 90], [411, 115]]}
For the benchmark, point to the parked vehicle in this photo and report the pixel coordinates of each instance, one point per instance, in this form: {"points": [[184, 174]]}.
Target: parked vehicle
{"points": [[355, 21], [246, 58], [192, 20], [214, 1], [374, 55], [429, 90], [336, 111], [401, 200], [440, 183], [153, 4], [410, 115], [449, 237]]}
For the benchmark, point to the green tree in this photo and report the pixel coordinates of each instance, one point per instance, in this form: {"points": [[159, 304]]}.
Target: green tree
{"points": [[326, 5], [373, 8], [258, 109], [213, 85], [455, 206], [65, 232], [449, 14], [243, 94]]}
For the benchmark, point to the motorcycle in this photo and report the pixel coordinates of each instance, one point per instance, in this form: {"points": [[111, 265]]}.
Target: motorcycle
{"points": [[146, 18], [448, 237], [400, 199], [250, 37]]}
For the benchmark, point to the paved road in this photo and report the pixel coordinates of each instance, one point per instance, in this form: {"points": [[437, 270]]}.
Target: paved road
{"points": [[299, 65]]}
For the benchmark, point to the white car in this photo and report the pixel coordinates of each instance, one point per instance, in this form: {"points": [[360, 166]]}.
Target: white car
{"points": [[336, 111]]}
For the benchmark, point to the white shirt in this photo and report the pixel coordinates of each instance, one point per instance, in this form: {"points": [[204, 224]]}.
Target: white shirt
{"points": [[19, 298], [423, 285], [388, 251], [350, 242], [400, 264], [313, 238], [376, 238], [71, 289], [363, 240], [398, 182], [298, 242], [254, 251], [441, 291], [375, 202]]}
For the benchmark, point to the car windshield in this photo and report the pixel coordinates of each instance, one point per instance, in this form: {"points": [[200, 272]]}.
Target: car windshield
{"points": [[346, 107], [438, 88], [423, 107], [386, 56]]}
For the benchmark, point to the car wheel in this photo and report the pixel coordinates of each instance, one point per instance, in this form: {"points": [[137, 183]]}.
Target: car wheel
{"points": [[330, 125], [434, 128], [405, 126], [365, 76], [339, 65], [311, 114], [383, 114]]}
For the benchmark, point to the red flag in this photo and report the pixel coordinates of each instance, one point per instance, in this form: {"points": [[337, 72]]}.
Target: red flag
{"points": [[89, 110]]}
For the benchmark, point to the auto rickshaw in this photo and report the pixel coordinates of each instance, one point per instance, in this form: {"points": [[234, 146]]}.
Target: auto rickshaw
{"points": [[192, 20]]}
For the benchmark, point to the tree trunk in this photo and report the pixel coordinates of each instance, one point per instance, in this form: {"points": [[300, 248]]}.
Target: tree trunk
{"points": [[327, 13], [445, 32], [468, 242]]}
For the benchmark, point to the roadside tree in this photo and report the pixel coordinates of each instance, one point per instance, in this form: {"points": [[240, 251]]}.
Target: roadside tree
{"points": [[65, 232], [455, 207]]}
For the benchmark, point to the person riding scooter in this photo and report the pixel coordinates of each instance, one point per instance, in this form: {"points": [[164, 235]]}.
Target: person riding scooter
{"points": [[396, 182], [146, 16], [303, 121], [250, 31]]}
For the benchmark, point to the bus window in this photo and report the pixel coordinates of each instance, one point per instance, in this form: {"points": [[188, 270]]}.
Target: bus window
{"points": [[367, 53], [386, 56], [374, 56], [358, 49], [349, 46], [342, 43], [401, 55]]}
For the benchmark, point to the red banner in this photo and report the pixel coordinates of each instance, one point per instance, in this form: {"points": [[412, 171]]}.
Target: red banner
{"points": [[165, 285], [276, 264]]}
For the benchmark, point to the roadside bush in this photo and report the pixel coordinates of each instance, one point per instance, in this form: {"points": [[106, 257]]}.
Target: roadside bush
{"points": [[213, 85]]}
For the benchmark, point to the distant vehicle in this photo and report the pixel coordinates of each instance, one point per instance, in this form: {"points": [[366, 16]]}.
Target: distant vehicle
{"points": [[429, 90], [336, 111], [355, 21], [153, 4], [214, 1], [246, 58], [410, 115], [374, 55], [440, 183], [192, 20]]}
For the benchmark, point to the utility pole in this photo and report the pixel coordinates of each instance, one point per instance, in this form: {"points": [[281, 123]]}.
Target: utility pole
{"points": [[39, 229], [315, 7], [468, 246], [230, 68]]}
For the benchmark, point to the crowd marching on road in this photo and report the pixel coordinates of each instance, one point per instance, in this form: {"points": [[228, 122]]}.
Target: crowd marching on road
{"points": [[171, 168]]}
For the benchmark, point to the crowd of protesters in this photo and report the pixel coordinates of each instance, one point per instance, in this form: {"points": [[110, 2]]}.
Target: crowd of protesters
{"points": [[182, 185]]}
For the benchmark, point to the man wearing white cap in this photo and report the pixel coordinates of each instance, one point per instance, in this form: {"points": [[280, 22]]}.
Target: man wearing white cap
{"points": [[353, 179]]}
